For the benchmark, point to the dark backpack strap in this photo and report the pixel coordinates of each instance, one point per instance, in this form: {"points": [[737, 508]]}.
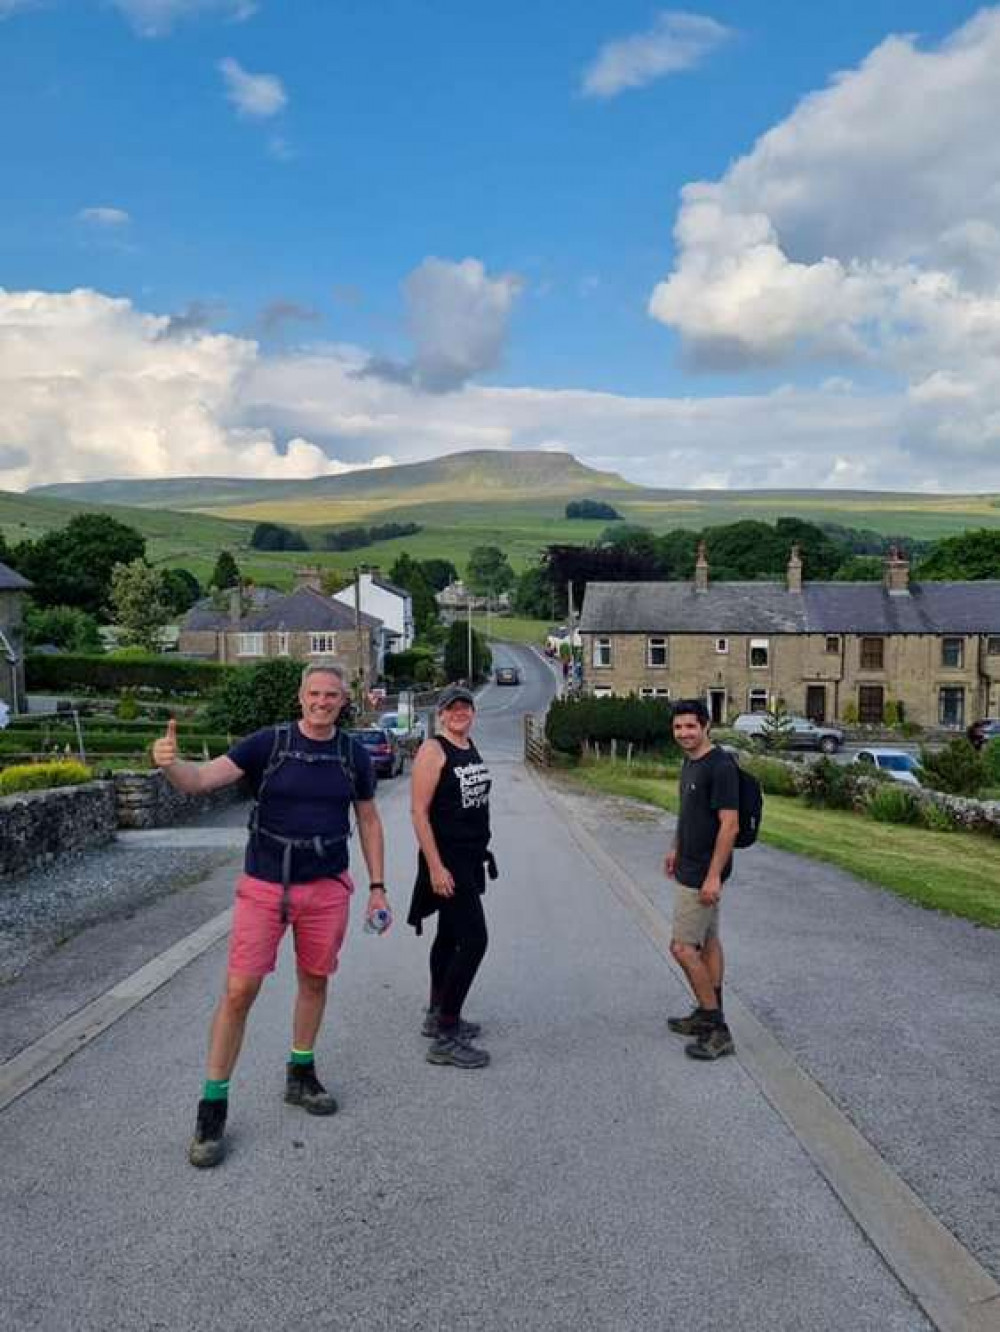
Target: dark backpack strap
{"points": [[280, 746], [345, 750]]}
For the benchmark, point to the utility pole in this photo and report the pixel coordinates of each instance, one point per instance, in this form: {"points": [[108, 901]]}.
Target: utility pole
{"points": [[468, 603], [359, 653]]}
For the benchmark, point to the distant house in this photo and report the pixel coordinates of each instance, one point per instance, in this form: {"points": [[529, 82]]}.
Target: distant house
{"points": [[386, 602], [456, 600], [303, 624], [12, 592], [823, 649]]}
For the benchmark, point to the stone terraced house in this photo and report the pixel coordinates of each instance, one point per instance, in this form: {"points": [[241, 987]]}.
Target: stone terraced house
{"points": [[820, 648], [12, 593]]}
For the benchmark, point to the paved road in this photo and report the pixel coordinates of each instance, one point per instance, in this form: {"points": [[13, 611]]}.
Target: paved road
{"points": [[592, 1178]]}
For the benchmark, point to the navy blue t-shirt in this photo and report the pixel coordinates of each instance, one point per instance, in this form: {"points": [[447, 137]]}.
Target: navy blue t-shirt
{"points": [[302, 799]]}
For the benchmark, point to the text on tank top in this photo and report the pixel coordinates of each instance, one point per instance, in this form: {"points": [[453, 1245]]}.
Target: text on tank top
{"points": [[460, 808]]}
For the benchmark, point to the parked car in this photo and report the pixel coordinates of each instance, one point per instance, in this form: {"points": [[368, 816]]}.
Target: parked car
{"points": [[988, 728], [901, 766], [386, 756], [802, 733], [508, 675], [416, 730]]}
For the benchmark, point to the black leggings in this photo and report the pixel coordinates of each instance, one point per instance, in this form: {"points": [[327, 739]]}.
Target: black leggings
{"points": [[458, 949]]}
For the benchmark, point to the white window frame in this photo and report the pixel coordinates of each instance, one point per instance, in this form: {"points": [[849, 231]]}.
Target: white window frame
{"points": [[722, 646], [654, 691], [250, 645], [661, 642], [953, 665], [602, 691], [759, 694], [283, 637], [759, 644], [598, 651], [322, 644]]}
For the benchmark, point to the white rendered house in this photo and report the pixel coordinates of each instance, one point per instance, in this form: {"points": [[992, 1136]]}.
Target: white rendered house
{"points": [[391, 604]]}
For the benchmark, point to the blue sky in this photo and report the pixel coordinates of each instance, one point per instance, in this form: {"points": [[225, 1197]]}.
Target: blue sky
{"points": [[390, 230]]}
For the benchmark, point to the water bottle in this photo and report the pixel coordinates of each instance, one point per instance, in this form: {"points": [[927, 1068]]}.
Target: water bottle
{"points": [[378, 921]]}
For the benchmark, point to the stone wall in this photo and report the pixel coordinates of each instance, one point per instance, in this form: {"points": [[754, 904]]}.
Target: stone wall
{"points": [[147, 800], [37, 827]]}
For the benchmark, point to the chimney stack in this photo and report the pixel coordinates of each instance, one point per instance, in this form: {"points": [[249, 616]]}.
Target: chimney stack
{"points": [[235, 605], [701, 569], [896, 573], [310, 576], [793, 572]]}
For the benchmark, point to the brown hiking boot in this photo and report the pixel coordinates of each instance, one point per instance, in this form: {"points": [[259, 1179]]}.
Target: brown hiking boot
{"points": [[712, 1044], [694, 1024]]}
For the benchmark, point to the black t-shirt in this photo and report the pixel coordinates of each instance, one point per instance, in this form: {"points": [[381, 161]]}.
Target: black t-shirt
{"points": [[707, 785], [302, 799], [459, 811]]}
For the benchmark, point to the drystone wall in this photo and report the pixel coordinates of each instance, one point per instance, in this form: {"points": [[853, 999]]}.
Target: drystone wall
{"points": [[37, 827]]}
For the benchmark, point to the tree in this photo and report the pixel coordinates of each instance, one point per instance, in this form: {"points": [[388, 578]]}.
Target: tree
{"points": [[859, 569], [456, 654], [488, 572], [138, 603], [592, 509], [970, 555], [65, 627], [407, 573], [226, 572], [439, 573], [333, 581], [180, 590], [274, 536], [72, 566], [535, 596], [777, 728], [251, 697]]}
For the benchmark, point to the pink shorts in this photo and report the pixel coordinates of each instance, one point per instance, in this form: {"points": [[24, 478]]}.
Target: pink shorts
{"points": [[318, 913]]}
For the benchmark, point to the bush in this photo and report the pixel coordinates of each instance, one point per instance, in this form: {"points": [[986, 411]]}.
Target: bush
{"points": [[82, 674], [42, 776], [831, 786], [128, 708], [403, 667], [849, 714], [892, 713], [936, 818], [775, 778], [251, 697], [645, 722], [956, 769], [892, 804], [990, 756]]}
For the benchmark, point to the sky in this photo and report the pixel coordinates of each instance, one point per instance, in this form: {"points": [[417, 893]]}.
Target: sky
{"points": [[740, 246]]}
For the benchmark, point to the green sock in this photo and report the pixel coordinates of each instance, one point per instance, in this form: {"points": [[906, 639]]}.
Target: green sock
{"points": [[301, 1056], [216, 1089]]}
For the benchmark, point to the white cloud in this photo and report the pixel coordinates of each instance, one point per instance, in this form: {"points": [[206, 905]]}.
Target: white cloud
{"points": [[676, 41], [156, 18], [862, 228], [104, 217], [256, 96]]}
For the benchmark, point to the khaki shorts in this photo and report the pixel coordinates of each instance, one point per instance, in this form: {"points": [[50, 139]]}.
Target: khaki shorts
{"points": [[694, 923]]}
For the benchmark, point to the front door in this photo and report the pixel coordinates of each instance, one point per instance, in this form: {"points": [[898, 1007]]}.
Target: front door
{"points": [[816, 703], [870, 704], [717, 706]]}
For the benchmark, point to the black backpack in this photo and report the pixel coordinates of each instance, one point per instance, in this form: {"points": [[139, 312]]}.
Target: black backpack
{"points": [[751, 807]]}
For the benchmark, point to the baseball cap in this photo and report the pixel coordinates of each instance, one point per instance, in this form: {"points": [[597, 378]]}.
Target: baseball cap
{"points": [[455, 694]]}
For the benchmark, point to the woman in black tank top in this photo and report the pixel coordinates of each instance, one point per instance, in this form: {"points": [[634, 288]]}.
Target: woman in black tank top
{"points": [[451, 818]]}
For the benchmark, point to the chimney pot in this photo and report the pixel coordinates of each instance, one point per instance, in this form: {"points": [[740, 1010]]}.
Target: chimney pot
{"points": [[896, 573], [701, 569], [793, 572]]}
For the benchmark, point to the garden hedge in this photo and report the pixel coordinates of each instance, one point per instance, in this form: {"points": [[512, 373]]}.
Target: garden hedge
{"points": [[66, 672], [646, 722]]}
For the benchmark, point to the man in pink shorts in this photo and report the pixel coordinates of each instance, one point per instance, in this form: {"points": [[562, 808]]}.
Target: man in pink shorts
{"points": [[305, 777]]}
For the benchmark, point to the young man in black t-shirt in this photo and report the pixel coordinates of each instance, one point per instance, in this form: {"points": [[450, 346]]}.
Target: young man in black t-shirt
{"points": [[701, 860]]}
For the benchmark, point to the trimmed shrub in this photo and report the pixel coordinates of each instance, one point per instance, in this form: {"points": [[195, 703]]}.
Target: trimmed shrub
{"points": [[645, 722], [893, 804], [990, 756], [43, 776], [254, 696], [128, 708], [957, 769], [75, 673], [831, 786], [405, 667]]}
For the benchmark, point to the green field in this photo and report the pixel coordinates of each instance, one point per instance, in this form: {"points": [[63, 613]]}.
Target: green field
{"points": [[515, 501], [956, 872]]}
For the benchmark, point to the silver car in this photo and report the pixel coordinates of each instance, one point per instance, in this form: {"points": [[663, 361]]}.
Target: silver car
{"points": [[403, 728], [901, 766], [801, 733]]}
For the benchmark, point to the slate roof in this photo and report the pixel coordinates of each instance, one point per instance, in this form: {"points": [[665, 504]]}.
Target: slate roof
{"points": [[306, 610], [208, 615], [769, 608], [386, 586], [11, 581]]}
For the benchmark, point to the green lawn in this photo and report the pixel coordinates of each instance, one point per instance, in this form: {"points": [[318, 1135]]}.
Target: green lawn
{"points": [[955, 872], [512, 629]]}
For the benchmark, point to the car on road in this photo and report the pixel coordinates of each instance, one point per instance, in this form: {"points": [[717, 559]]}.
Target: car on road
{"points": [[801, 734], [386, 756], [982, 731], [413, 729], [901, 766], [508, 675]]}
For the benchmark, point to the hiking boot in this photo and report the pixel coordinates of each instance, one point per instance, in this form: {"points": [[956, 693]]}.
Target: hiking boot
{"points": [[208, 1146], [432, 1026], [303, 1087], [460, 1054], [696, 1022], [712, 1044]]}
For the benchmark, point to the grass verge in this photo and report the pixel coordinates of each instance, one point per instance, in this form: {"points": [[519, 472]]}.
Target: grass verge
{"points": [[513, 629], [957, 872]]}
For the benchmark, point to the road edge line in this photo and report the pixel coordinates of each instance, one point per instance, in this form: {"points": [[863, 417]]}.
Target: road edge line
{"points": [[943, 1278], [44, 1056]]}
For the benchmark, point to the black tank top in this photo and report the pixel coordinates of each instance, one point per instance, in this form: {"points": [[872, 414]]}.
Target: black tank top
{"points": [[460, 810]]}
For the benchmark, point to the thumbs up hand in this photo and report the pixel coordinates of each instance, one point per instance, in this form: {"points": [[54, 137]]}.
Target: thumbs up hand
{"points": [[165, 749]]}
